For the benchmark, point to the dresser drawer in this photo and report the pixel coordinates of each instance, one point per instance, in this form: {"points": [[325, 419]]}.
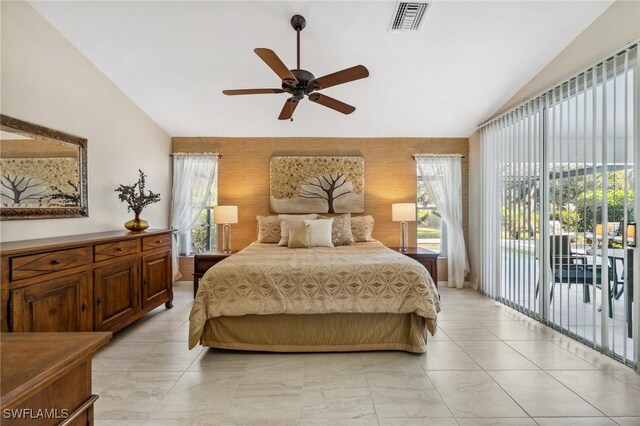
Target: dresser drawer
{"points": [[157, 241], [45, 263], [112, 250]]}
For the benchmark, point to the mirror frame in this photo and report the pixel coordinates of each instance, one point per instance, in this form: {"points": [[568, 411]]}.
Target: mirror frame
{"points": [[25, 128]]}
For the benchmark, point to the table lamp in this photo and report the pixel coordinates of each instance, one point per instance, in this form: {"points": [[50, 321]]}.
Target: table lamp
{"points": [[403, 212], [225, 215]]}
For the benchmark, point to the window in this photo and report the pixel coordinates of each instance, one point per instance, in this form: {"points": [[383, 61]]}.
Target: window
{"points": [[559, 177], [204, 235], [429, 225]]}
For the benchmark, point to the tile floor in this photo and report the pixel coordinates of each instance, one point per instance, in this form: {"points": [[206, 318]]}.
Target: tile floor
{"points": [[487, 365]]}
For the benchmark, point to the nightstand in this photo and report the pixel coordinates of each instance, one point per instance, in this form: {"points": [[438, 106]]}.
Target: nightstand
{"points": [[428, 259], [203, 261]]}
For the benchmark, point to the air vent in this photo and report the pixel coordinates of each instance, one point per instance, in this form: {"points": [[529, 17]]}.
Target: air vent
{"points": [[409, 16]]}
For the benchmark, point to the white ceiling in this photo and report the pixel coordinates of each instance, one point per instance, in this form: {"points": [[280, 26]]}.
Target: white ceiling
{"points": [[173, 59]]}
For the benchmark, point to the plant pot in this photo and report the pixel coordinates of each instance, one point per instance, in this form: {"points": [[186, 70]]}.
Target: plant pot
{"points": [[136, 224]]}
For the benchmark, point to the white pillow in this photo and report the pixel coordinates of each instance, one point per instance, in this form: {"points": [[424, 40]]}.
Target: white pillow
{"points": [[320, 232], [288, 221]]}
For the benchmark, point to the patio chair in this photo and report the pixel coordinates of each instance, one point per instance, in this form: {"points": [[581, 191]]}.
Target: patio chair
{"points": [[568, 267]]}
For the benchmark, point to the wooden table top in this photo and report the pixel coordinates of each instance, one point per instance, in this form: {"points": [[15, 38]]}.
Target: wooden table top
{"points": [[15, 247], [29, 359], [417, 250]]}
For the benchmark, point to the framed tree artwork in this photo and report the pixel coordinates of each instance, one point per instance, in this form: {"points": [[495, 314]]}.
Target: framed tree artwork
{"points": [[43, 172], [317, 184]]}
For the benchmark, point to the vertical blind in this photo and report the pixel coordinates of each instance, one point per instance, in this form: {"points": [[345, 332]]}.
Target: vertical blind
{"points": [[558, 176]]}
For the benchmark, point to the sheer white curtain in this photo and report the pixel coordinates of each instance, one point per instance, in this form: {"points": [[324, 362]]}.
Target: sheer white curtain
{"points": [[193, 175], [443, 180]]}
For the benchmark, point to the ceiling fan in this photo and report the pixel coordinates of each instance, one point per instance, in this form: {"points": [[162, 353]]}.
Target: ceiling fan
{"points": [[300, 83]]}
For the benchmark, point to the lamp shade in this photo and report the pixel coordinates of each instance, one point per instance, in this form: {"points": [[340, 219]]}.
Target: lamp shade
{"points": [[403, 212], [225, 214]]}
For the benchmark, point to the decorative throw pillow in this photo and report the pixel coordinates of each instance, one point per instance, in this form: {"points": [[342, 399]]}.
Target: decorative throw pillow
{"points": [[288, 221], [268, 229], [362, 228], [300, 237], [320, 232], [341, 234]]}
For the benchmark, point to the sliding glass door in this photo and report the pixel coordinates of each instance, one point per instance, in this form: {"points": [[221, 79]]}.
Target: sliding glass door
{"points": [[561, 175]]}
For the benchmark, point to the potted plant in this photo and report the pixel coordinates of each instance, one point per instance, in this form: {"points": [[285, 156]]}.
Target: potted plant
{"points": [[136, 199]]}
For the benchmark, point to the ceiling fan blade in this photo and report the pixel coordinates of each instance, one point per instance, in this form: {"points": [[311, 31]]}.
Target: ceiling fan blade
{"points": [[331, 103], [340, 77], [233, 92], [274, 62], [288, 109]]}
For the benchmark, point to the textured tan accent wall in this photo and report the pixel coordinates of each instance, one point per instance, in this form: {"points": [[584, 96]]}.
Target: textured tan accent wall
{"points": [[36, 148], [390, 175]]}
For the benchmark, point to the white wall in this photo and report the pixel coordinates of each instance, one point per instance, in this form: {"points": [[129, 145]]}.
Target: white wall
{"points": [[45, 80], [617, 26]]}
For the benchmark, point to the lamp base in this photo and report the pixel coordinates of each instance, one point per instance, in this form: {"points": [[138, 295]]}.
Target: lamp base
{"points": [[404, 238], [226, 238]]}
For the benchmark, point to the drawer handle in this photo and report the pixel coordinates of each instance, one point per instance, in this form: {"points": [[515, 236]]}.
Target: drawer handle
{"points": [[120, 249], [84, 307], [158, 241], [99, 301], [56, 262], [80, 411]]}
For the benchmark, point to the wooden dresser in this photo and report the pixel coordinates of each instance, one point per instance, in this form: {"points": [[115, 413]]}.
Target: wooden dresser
{"points": [[102, 281], [46, 378]]}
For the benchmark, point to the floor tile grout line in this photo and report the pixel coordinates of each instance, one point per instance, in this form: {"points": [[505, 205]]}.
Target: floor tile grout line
{"points": [[426, 373], [485, 373], [508, 394], [570, 390], [463, 351], [597, 368], [604, 414], [581, 357], [550, 369], [366, 378], [608, 372], [571, 341], [506, 369], [493, 380]]}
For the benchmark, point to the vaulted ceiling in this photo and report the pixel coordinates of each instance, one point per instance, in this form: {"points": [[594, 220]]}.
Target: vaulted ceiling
{"points": [[173, 59]]}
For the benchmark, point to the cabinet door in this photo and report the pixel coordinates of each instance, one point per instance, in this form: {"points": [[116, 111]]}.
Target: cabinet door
{"points": [[156, 278], [57, 305], [432, 267], [115, 289]]}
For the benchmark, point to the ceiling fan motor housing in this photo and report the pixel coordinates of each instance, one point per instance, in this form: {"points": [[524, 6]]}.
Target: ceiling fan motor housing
{"points": [[303, 77]]}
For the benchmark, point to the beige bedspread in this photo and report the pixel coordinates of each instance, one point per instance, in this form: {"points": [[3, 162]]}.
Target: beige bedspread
{"points": [[265, 279]]}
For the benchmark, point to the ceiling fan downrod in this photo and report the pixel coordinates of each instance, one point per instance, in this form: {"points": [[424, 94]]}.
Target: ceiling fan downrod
{"points": [[298, 23]]}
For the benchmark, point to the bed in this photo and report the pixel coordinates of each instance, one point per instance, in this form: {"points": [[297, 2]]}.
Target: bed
{"points": [[348, 298]]}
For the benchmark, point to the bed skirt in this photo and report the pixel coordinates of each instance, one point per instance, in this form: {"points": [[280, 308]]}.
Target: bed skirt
{"points": [[336, 332]]}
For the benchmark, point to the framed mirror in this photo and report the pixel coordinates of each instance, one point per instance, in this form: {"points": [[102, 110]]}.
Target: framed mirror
{"points": [[43, 172]]}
